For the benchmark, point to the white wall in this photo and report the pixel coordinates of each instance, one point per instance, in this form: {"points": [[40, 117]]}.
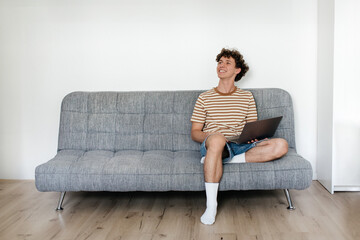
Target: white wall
{"points": [[346, 95], [325, 95], [50, 48], [338, 152]]}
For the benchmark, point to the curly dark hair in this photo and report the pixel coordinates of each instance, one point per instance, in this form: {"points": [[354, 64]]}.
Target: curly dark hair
{"points": [[239, 60]]}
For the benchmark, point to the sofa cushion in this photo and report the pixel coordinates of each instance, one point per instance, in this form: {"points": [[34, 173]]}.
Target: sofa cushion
{"points": [[146, 121], [162, 170]]}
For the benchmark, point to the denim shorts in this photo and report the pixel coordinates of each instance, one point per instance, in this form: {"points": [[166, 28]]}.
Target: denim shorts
{"points": [[230, 150]]}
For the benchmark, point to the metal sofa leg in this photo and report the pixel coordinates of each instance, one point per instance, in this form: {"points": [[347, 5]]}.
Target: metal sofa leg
{"points": [[287, 193], [61, 199]]}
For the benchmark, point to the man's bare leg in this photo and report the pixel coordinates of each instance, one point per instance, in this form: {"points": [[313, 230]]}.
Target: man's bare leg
{"points": [[267, 150], [212, 173], [213, 163]]}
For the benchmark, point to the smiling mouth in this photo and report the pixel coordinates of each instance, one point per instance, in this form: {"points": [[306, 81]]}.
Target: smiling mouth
{"points": [[221, 71]]}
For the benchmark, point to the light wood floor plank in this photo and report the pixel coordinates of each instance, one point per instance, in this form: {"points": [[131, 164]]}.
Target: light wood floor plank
{"points": [[28, 214]]}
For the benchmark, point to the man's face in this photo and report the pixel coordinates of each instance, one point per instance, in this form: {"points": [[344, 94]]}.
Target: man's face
{"points": [[226, 68]]}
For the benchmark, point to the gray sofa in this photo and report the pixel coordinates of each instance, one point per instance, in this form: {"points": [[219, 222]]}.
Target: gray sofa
{"points": [[140, 141]]}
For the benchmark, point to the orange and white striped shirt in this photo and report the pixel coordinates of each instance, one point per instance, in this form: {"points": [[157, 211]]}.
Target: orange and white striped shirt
{"points": [[225, 113]]}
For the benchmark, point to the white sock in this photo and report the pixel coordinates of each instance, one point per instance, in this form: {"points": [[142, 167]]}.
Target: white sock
{"points": [[238, 158], [209, 215]]}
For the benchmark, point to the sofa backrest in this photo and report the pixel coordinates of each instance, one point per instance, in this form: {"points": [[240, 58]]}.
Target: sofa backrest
{"points": [[150, 120]]}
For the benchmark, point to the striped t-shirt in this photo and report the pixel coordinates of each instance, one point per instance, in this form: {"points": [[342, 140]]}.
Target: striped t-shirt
{"points": [[225, 113]]}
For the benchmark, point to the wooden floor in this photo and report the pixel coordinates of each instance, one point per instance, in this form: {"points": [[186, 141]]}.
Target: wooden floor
{"points": [[26, 213]]}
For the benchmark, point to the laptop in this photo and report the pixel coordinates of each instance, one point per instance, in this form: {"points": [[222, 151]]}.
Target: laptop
{"points": [[257, 130]]}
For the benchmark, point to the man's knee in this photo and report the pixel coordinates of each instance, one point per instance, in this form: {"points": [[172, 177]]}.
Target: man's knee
{"points": [[216, 143], [280, 147]]}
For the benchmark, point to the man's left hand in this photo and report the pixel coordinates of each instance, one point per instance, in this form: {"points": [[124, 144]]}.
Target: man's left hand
{"points": [[253, 140]]}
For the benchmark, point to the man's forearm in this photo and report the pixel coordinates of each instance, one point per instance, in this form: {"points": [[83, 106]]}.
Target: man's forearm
{"points": [[198, 135]]}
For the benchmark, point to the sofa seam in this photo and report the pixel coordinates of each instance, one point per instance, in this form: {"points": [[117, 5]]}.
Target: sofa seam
{"points": [[171, 174]]}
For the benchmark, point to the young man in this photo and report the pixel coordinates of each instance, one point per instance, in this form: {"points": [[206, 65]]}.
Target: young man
{"points": [[221, 113]]}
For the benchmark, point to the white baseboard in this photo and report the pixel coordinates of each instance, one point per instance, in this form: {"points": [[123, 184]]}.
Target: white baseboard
{"points": [[340, 188]]}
